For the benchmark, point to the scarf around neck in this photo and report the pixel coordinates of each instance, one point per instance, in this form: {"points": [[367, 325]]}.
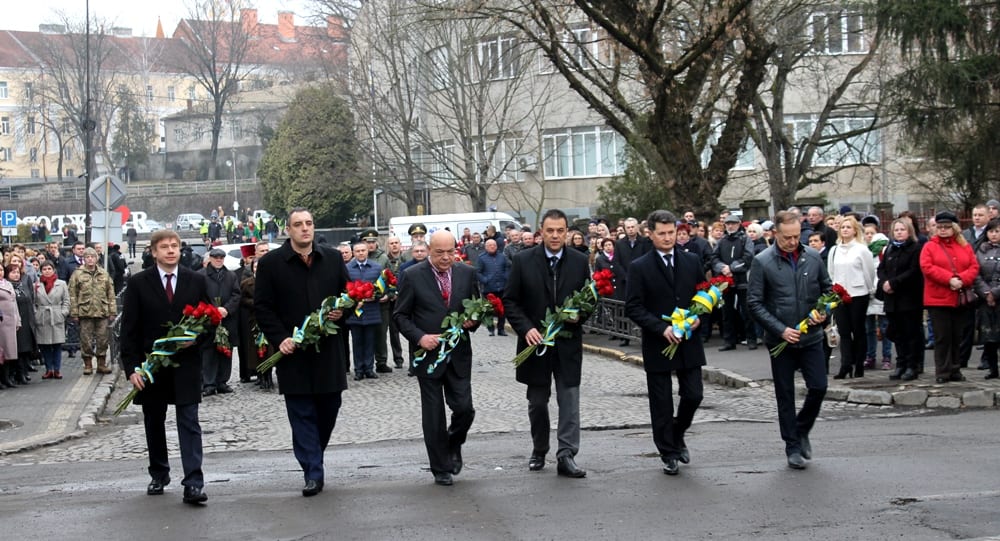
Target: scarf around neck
{"points": [[48, 281]]}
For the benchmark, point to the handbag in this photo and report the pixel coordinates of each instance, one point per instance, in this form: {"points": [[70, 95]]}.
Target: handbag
{"points": [[832, 335], [967, 296]]}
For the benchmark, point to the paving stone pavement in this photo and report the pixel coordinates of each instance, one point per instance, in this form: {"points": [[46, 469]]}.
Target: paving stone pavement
{"points": [[613, 395]]}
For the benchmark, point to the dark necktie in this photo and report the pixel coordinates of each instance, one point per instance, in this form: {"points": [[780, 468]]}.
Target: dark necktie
{"points": [[170, 288], [553, 261], [668, 259]]}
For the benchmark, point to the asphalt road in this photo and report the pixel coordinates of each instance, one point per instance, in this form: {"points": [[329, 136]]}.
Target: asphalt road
{"points": [[911, 477]]}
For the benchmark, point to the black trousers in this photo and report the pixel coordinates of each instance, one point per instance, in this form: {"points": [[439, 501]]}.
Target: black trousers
{"points": [[810, 361], [438, 438], [312, 418], [850, 318], [949, 326], [906, 330], [668, 431], [735, 317], [154, 417]]}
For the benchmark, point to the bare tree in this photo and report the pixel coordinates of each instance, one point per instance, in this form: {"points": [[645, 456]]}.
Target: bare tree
{"points": [[215, 53], [839, 91], [57, 100], [650, 69]]}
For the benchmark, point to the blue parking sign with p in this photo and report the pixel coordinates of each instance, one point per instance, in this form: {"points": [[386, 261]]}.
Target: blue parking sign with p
{"points": [[8, 218]]}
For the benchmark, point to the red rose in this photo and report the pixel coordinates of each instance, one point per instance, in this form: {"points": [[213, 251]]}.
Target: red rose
{"points": [[188, 310]]}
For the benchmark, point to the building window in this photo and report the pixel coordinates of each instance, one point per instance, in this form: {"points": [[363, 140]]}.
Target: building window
{"points": [[844, 141], [744, 160], [236, 129], [838, 32], [591, 151], [63, 92], [436, 70], [30, 125], [5, 154], [494, 58], [3, 90], [503, 158], [179, 136], [171, 93], [69, 172], [4, 125], [29, 91], [191, 93], [35, 173], [68, 152], [33, 155], [435, 163]]}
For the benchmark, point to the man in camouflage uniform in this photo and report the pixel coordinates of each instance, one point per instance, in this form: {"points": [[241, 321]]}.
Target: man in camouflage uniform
{"points": [[92, 304]]}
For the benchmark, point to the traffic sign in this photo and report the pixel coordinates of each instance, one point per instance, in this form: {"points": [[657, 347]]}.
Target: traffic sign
{"points": [[107, 187], [8, 218]]}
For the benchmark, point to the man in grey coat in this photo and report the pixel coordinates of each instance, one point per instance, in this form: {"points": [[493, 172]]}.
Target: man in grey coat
{"points": [[785, 282]]}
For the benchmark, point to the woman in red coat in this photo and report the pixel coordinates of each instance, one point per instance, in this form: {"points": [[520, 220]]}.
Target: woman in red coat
{"points": [[949, 265]]}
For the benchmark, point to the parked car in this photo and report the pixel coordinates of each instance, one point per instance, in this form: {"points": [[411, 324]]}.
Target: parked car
{"points": [[188, 222]]}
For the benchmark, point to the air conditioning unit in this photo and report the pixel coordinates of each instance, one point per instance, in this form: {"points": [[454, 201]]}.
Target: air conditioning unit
{"points": [[528, 164]]}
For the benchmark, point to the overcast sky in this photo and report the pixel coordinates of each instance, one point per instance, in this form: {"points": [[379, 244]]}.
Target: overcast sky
{"points": [[139, 15]]}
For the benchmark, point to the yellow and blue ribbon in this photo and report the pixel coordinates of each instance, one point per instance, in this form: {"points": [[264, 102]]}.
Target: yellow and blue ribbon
{"points": [[709, 299], [682, 321], [551, 332], [449, 339]]}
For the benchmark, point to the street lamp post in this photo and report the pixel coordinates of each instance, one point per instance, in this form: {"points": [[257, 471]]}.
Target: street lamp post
{"points": [[236, 204]]}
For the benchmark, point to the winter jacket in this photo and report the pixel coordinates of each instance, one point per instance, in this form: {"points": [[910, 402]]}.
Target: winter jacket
{"points": [[851, 265], [901, 268], [492, 271], [368, 272], [939, 269], [988, 281], [91, 294], [735, 250], [51, 310], [781, 295]]}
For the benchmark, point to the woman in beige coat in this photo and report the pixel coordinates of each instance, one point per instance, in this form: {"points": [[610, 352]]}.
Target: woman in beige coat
{"points": [[51, 309], [10, 322]]}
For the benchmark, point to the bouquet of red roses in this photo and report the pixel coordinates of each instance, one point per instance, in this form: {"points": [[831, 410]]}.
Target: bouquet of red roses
{"points": [[603, 282], [826, 302], [360, 291], [706, 298], [476, 309], [195, 321], [316, 326], [583, 300], [386, 284]]}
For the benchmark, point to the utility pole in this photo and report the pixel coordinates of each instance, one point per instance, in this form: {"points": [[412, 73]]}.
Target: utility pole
{"points": [[88, 132]]}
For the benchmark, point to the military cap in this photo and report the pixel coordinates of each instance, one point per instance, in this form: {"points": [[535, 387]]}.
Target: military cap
{"points": [[369, 234], [417, 229]]}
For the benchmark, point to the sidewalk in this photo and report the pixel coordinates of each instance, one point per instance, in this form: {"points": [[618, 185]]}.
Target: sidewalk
{"points": [[745, 368]]}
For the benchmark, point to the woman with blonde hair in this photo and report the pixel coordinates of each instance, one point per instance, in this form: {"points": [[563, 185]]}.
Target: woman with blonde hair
{"points": [[851, 265]]}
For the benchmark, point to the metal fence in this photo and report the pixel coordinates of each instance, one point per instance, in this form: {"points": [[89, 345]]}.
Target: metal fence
{"points": [[609, 318]]}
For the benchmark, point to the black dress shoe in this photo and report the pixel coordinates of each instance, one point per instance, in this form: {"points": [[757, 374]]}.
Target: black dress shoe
{"points": [[806, 447], [896, 374], [685, 457], [567, 467], [443, 478], [909, 375], [208, 391], [728, 347], [224, 389], [942, 380], [670, 466], [957, 376], [359, 377], [312, 487], [536, 462], [399, 365], [384, 369], [371, 375], [456, 460], [796, 462], [155, 487], [194, 495], [501, 333], [983, 366]]}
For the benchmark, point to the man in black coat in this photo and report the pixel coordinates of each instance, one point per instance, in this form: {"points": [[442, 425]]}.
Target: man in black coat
{"points": [[434, 289], [224, 290], [156, 297], [542, 278], [633, 246], [659, 282], [292, 282]]}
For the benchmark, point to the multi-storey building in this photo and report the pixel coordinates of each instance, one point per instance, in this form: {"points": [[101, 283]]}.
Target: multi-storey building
{"points": [[41, 82]]}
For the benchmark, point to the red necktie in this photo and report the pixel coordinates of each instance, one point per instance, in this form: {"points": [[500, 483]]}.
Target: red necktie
{"points": [[170, 288]]}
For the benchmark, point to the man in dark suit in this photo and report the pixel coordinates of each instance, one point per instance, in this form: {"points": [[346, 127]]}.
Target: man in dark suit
{"points": [[542, 278], [292, 282], [659, 282], [155, 297], [633, 246], [434, 289]]}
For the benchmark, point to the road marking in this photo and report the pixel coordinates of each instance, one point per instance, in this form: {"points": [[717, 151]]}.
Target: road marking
{"points": [[64, 414]]}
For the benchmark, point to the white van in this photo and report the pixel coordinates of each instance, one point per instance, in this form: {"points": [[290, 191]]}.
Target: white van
{"points": [[456, 223]]}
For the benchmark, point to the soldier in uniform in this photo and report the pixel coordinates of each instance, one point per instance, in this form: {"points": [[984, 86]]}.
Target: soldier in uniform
{"points": [[417, 233]]}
